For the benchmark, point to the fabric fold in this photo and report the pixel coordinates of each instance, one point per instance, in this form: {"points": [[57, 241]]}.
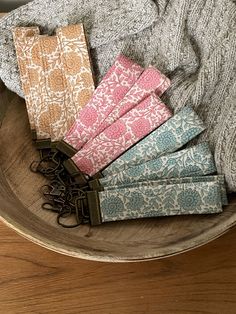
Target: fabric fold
{"points": [[217, 178], [160, 200], [195, 161]]}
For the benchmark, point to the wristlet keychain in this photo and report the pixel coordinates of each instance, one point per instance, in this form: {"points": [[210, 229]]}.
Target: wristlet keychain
{"points": [[54, 84], [169, 137], [68, 77], [145, 202], [194, 161], [77, 68], [55, 109], [155, 201], [96, 184]]}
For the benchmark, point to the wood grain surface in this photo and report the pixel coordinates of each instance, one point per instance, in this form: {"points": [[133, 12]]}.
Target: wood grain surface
{"points": [[35, 280]]}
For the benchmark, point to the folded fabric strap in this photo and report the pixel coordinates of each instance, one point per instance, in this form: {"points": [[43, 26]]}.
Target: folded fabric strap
{"points": [[76, 67], [60, 78], [118, 137], [54, 87], [68, 77], [169, 137], [25, 39], [114, 86], [153, 201], [195, 161], [151, 80], [96, 184]]}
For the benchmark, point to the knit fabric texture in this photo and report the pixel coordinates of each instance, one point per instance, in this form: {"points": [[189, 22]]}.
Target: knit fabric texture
{"points": [[192, 41]]}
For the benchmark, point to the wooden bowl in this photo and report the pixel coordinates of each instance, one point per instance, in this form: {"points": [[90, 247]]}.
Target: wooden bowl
{"points": [[20, 208]]}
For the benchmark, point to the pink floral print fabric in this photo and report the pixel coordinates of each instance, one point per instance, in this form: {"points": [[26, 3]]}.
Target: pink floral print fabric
{"points": [[151, 80], [122, 134]]}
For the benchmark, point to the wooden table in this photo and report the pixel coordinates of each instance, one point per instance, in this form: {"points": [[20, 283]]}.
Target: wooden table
{"points": [[35, 280]]}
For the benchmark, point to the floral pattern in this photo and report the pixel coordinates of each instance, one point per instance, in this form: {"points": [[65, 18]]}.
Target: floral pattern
{"points": [[164, 200], [164, 139], [53, 87], [103, 149], [118, 94], [136, 201], [88, 116], [113, 206], [56, 77], [24, 40], [217, 178], [141, 128], [35, 54], [189, 199], [75, 61], [195, 161], [134, 171], [49, 45], [169, 137], [116, 130], [212, 196], [151, 80], [33, 77], [112, 89], [56, 81]]}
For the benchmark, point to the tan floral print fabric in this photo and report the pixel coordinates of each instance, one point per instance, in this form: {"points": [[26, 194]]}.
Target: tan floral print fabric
{"points": [[56, 77], [54, 86], [25, 39], [38, 92], [77, 68]]}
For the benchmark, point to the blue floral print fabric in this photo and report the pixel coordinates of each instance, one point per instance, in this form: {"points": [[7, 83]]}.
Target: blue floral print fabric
{"points": [[160, 200], [218, 178], [190, 162]]}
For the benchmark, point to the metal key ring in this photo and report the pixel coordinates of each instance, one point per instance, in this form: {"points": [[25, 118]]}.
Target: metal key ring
{"points": [[35, 170], [50, 207], [65, 214]]}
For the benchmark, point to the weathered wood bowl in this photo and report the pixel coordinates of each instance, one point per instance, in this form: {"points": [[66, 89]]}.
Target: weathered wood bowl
{"points": [[20, 208]]}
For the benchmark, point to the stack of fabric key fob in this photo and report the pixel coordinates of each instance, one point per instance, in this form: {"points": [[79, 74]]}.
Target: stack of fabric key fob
{"points": [[114, 152]]}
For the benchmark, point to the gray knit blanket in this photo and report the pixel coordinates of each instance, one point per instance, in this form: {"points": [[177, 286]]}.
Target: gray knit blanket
{"points": [[192, 41]]}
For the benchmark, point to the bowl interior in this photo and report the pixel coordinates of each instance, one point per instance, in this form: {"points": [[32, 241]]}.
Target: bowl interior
{"points": [[20, 207]]}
